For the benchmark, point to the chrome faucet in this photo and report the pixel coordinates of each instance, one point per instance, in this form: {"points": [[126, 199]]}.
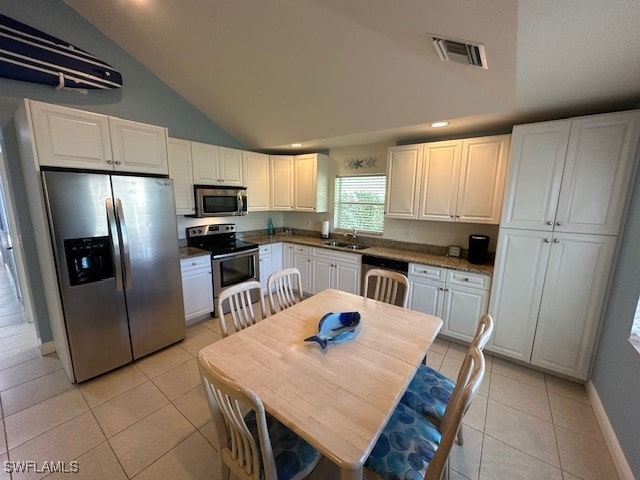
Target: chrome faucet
{"points": [[353, 235]]}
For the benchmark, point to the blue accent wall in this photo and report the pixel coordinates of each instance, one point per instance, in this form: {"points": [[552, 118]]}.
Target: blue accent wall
{"points": [[616, 373], [144, 98]]}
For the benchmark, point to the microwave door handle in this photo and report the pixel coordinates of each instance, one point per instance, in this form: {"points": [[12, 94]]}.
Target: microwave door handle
{"points": [[125, 244], [114, 243], [240, 203]]}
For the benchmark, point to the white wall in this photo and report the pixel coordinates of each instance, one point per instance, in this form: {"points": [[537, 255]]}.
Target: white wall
{"points": [[252, 221]]}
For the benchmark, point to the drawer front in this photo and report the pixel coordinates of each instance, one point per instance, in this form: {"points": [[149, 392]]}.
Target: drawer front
{"points": [[265, 249], [467, 279], [341, 257], [193, 263], [427, 271], [302, 249]]}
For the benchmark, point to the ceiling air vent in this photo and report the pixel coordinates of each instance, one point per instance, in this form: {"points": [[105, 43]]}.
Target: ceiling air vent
{"points": [[460, 51]]}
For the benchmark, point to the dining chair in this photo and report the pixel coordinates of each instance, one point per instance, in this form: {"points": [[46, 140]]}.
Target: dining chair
{"points": [[283, 284], [411, 446], [386, 286], [249, 442], [240, 304], [429, 391]]}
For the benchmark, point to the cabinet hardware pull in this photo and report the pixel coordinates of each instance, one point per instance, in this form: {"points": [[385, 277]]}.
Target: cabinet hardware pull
{"points": [[110, 162], [194, 263], [118, 162], [547, 240], [559, 224], [466, 279], [451, 216], [457, 216], [556, 240], [549, 223]]}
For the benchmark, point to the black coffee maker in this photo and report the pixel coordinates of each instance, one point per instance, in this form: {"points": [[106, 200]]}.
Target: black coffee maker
{"points": [[478, 249]]}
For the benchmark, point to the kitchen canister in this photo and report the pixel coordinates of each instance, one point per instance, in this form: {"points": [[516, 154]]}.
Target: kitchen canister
{"points": [[478, 248]]}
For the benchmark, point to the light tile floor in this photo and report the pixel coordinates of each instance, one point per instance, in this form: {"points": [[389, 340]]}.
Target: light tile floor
{"points": [[150, 420]]}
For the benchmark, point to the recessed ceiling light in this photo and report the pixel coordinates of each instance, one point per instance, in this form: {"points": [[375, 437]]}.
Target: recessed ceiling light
{"points": [[296, 144], [439, 124]]}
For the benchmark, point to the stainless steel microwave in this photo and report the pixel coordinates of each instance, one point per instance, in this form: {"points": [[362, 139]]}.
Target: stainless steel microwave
{"points": [[220, 201]]}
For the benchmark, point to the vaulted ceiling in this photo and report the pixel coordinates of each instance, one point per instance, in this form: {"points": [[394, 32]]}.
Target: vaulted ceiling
{"points": [[331, 73]]}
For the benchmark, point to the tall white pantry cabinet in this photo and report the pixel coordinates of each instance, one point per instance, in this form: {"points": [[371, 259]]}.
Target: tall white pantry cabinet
{"points": [[564, 199]]}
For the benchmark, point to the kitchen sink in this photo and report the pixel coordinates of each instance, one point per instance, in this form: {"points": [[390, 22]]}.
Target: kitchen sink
{"points": [[333, 243], [348, 246]]}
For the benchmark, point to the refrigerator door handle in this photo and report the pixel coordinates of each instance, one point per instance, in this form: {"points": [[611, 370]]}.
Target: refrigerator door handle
{"points": [[125, 244], [114, 240]]}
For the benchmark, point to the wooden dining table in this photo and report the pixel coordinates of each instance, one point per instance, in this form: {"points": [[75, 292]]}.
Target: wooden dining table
{"points": [[338, 399]]}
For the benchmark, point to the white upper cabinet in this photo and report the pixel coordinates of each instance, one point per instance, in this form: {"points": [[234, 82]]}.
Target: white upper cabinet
{"points": [[206, 163], [482, 172], [571, 175], [281, 182], [440, 174], [180, 170], [311, 187], [596, 174], [452, 181], [258, 185], [535, 172], [213, 165], [66, 137], [138, 147], [403, 181], [231, 171]]}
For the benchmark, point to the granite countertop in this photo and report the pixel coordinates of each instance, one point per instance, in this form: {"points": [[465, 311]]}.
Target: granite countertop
{"points": [[378, 251], [189, 252]]}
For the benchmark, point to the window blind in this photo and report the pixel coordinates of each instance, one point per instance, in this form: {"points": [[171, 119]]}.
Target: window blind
{"points": [[359, 202]]}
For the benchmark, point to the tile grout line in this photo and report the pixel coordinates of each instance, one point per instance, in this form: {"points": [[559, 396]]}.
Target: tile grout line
{"points": [[484, 423], [4, 432]]}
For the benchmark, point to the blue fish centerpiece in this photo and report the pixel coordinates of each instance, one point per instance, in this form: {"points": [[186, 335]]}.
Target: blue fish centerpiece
{"points": [[336, 328]]}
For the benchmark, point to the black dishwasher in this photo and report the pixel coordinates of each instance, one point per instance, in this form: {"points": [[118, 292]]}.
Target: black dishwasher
{"points": [[370, 262]]}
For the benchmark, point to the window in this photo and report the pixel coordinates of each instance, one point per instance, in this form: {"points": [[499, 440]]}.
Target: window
{"points": [[359, 202], [635, 330]]}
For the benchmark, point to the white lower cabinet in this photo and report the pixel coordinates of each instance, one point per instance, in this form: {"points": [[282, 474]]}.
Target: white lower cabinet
{"points": [[331, 269], [197, 288], [302, 261], [548, 297], [459, 298], [270, 262], [287, 255]]}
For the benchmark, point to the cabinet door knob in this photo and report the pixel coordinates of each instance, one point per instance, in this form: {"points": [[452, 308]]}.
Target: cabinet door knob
{"points": [[559, 224], [549, 223], [194, 263], [466, 279], [110, 162], [457, 216], [118, 162], [451, 216], [547, 240], [556, 240]]}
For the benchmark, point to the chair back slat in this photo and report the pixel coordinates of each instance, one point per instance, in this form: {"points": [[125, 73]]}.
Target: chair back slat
{"points": [[240, 304], [386, 286], [285, 289], [472, 371], [227, 401]]}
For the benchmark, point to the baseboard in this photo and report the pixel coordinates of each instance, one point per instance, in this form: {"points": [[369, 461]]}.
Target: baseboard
{"points": [[47, 347], [617, 455]]}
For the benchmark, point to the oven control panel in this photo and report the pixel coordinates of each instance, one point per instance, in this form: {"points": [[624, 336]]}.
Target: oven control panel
{"points": [[222, 228]]}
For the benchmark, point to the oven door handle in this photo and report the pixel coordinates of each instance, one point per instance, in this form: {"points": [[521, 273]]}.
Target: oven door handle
{"points": [[244, 253]]}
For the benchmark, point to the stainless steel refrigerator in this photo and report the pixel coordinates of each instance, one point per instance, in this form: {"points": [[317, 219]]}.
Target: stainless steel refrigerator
{"points": [[116, 251]]}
